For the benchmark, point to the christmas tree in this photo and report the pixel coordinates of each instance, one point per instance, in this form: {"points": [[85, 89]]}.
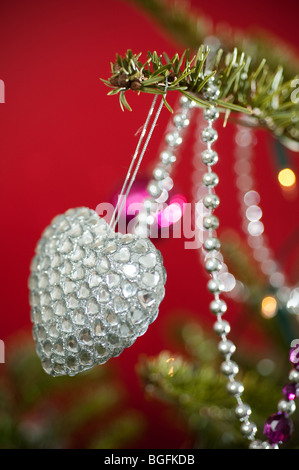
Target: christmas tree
{"points": [[183, 380]]}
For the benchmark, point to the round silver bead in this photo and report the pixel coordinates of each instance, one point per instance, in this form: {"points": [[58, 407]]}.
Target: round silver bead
{"points": [[166, 183], [218, 306], [294, 376], [186, 103], [287, 406], [211, 201], [145, 217], [211, 114], [248, 429], [226, 347], [173, 139], [181, 121], [150, 220], [163, 197], [150, 205], [212, 243], [210, 180], [221, 327], [211, 222], [274, 446], [154, 189], [209, 135], [215, 286], [242, 411], [212, 91], [160, 173], [256, 444], [235, 388], [266, 445], [213, 265], [167, 157], [209, 157], [229, 368]]}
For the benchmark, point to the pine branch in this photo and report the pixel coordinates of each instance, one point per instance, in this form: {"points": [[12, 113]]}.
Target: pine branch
{"points": [[37, 411], [194, 387], [255, 91], [197, 391]]}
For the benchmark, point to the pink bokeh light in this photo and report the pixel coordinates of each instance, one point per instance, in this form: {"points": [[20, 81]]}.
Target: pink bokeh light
{"points": [[173, 212]]}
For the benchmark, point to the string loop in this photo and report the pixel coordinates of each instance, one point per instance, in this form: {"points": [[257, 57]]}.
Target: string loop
{"points": [[129, 182]]}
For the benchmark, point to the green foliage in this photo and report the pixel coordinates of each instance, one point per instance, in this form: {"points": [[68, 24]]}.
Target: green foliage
{"points": [[193, 386], [257, 91], [39, 411]]}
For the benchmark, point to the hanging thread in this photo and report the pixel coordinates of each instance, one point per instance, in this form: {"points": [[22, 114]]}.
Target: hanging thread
{"points": [[129, 182]]}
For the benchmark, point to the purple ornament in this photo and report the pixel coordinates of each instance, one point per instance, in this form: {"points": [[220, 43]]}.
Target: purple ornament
{"points": [[294, 356], [278, 428], [291, 391]]}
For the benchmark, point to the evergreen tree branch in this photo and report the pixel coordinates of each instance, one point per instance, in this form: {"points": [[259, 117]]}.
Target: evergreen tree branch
{"points": [[258, 91]]}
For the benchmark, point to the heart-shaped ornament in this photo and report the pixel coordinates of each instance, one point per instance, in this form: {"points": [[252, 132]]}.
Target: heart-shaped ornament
{"points": [[92, 291]]}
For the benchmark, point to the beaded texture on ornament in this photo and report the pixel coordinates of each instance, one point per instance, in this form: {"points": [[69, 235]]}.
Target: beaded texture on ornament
{"points": [[161, 182], [252, 225], [278, 427]]}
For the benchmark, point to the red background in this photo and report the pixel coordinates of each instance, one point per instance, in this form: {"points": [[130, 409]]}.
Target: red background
{"points": [[64, 144]]}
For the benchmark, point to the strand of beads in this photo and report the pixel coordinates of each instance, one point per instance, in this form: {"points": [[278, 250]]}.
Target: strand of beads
{"points": [[228, 281], [252, 225], [159, 187], [278, 427], [218, 306], [213, 265]]}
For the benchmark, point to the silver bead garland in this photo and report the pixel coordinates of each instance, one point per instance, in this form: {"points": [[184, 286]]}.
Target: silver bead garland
{"points": [[213, 263], [218, 306]]}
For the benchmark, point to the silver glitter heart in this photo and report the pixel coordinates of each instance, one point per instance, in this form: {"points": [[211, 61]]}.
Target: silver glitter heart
{"points": [[92, 291]]}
